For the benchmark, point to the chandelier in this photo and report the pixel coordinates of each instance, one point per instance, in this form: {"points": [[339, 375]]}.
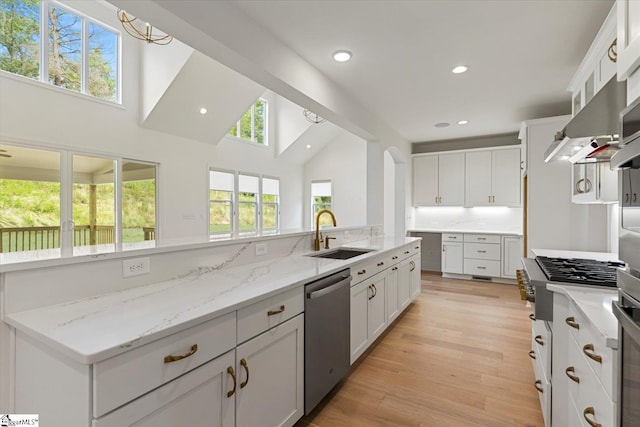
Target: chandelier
{"points": [[313, 117], [140, 30]]}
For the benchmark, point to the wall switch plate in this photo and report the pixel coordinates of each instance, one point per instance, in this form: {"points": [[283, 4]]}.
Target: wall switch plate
{"points": [[261, 249], [135, 267]]}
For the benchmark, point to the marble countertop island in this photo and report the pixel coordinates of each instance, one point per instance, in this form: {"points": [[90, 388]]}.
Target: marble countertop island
{"points": [[95, 328]]}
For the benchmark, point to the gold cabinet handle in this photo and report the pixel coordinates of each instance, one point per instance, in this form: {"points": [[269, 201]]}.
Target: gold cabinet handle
{"points": [[626, 197], [532, 316], [436, 200], [413, 265], [489, 199], [592, 412], [394, 268], [571, 321], [482, 252], [243, 362], [171, 358], [417, 247], [394, 257], [380, 264], [493, 199], [481, 268], [443, 246], [482, 238], [578, 189], [538, 386], [375, 291], [635, 197], [570, 371], [231, 372], [439, 200], [363, 271], [587, 185], [587, 349], [612, 52], [372, 294], [538, 339], [532, 354], [274, 312]]}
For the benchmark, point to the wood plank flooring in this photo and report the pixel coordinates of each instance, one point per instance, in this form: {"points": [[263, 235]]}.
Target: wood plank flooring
{"points": [[456, 357]]}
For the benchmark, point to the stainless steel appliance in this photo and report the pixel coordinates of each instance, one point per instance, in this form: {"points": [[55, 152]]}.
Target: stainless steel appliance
{"points": [[627, 309], [327, 323], [564, 271]]}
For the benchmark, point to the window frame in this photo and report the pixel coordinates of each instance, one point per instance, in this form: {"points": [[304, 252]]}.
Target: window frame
{"points": [[313, 204], [43, 56], [257, 205], [252, 109], [66, 180], [276, 204], [232, 222]]}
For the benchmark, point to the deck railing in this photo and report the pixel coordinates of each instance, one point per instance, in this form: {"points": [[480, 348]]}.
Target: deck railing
{"points": [[18, 239]]}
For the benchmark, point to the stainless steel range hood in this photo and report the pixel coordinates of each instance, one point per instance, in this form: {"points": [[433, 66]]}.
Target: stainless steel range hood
{"points": [[594, 128]]}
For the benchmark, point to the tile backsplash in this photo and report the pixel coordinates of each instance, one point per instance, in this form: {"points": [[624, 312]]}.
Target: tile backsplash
{"points": [[508, 220]]}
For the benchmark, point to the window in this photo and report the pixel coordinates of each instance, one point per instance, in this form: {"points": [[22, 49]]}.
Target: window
{"points": [[95, 217], [320, 199], [252, 126], [81, 54], [241, 203], [270, 203], [221, 185]]}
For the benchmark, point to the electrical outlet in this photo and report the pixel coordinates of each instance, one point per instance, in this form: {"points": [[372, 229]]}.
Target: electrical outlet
{"points": [[135, 267], [261, 249]]}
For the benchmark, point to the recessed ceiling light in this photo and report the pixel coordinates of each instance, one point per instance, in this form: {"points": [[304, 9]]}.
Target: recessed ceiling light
{"points": [[203, 110], [564, 157], [342, 55], [463, 122], [308, 146], [577, 148], [459, 69], [441, 125]]}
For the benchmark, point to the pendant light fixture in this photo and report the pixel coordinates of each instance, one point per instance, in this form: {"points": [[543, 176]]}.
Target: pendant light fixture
{"points": [[313, 117], [141, 30]]}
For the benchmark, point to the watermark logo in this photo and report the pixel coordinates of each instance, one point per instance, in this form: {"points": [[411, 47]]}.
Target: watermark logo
{"points": [[11, 420]]}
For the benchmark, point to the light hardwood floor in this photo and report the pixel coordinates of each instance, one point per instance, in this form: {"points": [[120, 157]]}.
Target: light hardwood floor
{"points": [[456, 357]]}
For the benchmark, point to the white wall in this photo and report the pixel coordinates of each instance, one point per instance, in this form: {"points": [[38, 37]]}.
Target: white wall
{"points": [[344, 162]]}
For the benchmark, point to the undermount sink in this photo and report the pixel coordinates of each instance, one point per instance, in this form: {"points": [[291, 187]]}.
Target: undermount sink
{"points": [[342, 253]]}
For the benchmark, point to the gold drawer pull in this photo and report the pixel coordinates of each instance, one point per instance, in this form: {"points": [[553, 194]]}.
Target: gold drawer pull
{"points": [[538, 386], [394, 257], [243, 362], [274, 312], [482, 238], [482, 252], [380, 264], [587, 349], [363, 271], [532, 317], [571, 321], [417, 247], [171, 358], [231, 372], [481, 268], [570, 371], [590, 411], [372, 294], [532, 354], [394, 268], [538, 339]]}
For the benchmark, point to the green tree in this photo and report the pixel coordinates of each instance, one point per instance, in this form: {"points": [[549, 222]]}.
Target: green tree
{"points": [[20, 37]]}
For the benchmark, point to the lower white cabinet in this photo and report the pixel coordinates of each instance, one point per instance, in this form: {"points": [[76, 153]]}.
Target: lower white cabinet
{"points": [[452, 257], [393, 307], [270, 377], [511, 255], [368, 316], [485, 255], [415, 276], [404, 283], [203, 397]]}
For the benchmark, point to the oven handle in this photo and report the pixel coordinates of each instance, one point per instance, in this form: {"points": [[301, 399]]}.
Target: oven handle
{"points": [[626, 322]]}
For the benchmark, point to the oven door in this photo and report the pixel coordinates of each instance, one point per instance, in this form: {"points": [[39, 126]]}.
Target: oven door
{"points": [[627, 311]]}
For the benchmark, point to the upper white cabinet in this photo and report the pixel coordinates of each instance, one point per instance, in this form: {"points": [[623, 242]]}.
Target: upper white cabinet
{"points": [[628, 27], [598, 65], [438, 180], [493, 177]]}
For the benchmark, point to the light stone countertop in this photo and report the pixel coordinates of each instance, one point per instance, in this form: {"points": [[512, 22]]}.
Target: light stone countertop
{"points": [[96, 328], [595, 305], [469, 231]]}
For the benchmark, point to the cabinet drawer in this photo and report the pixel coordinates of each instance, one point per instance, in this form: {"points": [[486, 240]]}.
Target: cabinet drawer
{"points": [[543, 387], [366, 269], [122, 378], [452, 237], [480, 267], [593, 344], [482, 251], [482, 238], [265, 314]]}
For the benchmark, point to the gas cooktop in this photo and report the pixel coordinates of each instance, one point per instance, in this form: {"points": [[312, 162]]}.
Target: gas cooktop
{"points": [[579, 271]]}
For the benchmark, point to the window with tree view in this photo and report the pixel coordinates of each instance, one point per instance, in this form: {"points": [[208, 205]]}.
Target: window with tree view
{"points": [[320, 199], [81, 54], [252, 125]]}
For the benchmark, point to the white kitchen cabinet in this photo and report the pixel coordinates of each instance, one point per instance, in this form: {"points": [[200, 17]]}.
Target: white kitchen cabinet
{"points": [[393, 307], [404, 283], [270, 376], [593, 183], [511, 255], [204, 396], [631, 194], [415, 276], [438, 180], [492, 177], [628, 45], [482, 255], [452, 257], [368, 317]]}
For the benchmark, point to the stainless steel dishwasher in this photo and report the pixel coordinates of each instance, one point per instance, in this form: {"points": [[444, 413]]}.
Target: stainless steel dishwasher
{"points": [[327, 318]]}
